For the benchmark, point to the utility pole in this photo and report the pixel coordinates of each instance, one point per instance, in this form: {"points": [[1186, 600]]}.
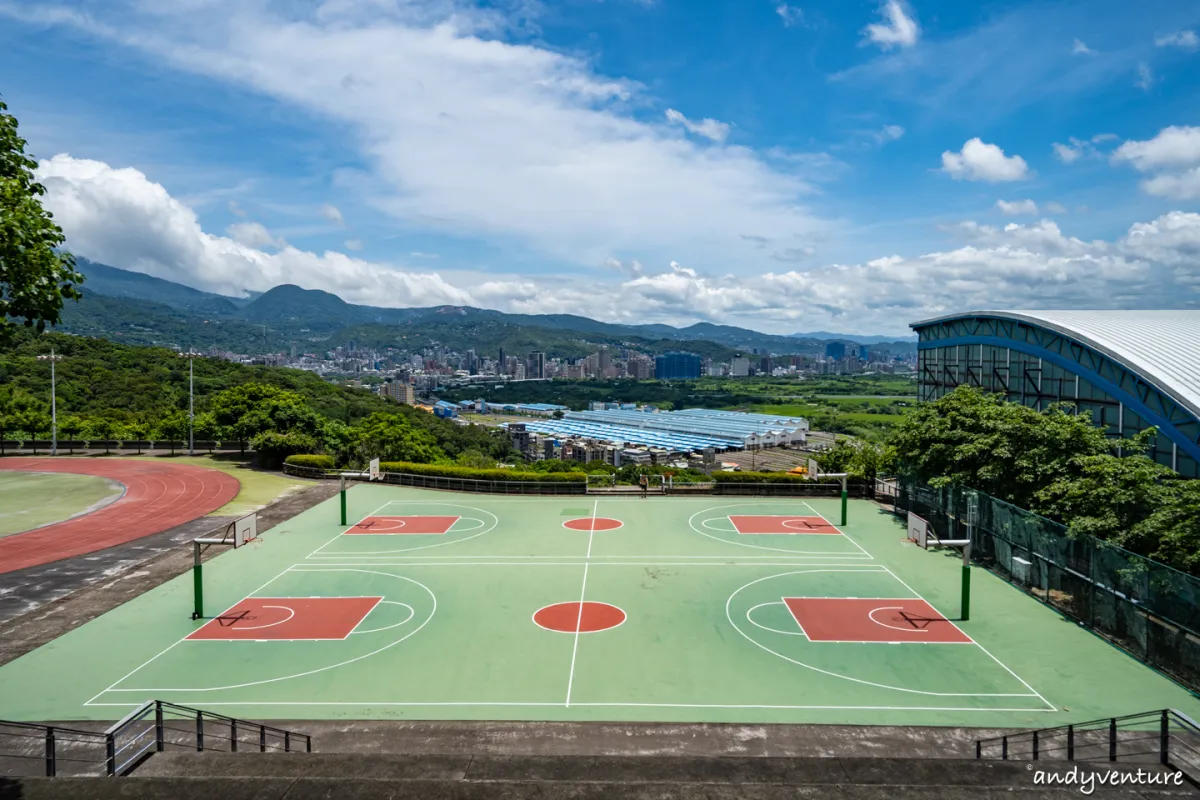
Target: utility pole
{"points": [[53, 359], [191, 356]]}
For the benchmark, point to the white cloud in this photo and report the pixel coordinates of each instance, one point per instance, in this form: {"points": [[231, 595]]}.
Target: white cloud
{"points": [[708, 128], [1145, 77], [899, 27], [1080, 49], [1081, 148], [331, 214], [791, 15], [888, 133], [254, 234], [1017, 207], [1173, 155], [1173, 147], [462, 134], [1185, 39], [121, 217], [354, 244], [978, 161], [1054, 208]]}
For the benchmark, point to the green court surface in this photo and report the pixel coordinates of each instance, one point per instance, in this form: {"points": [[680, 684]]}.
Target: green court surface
{"points": [[457, 606], [30, 500]]}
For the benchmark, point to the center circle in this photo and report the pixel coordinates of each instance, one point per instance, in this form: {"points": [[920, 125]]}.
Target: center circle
{"points": [[587, 617], [593, 524]]}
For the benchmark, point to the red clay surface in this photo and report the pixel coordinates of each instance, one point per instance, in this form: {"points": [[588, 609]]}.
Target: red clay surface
{"points": [[852, 619], [593, 524], [404, 525], [158, 496], [288, 618], [566, 617], [777, 523]]}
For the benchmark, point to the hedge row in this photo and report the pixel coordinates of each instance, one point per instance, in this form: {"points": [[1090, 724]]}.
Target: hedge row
{"points": [[474, 474], [757, 477], [312, 462]]}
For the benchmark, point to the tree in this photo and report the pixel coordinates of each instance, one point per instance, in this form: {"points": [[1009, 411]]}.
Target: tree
{"points": [[35, 277], [390, 437], [1008, 450]]}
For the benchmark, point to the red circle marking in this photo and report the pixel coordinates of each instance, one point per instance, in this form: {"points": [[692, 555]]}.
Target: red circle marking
{"points": [[593, 524], [568, 618]]}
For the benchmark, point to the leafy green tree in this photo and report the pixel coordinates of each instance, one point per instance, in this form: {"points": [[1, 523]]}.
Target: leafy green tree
{"points": [[390, 437], [474, 458], [35, 277], [272, 447], [71, 427], [1005, 449], [172, 427]]}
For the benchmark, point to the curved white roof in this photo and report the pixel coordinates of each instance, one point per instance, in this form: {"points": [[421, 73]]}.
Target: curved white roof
{"points": [[1161, 346]]}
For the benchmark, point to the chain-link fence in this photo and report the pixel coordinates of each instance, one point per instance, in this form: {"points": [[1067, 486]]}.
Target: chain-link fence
{"points": [[1146, 608]]}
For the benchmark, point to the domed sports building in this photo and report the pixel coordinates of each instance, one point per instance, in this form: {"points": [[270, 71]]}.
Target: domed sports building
{"points": [[1130, 370]]}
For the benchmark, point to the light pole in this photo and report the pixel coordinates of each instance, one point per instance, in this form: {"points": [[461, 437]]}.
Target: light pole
{"points": [[191, 356], [53, 359]]}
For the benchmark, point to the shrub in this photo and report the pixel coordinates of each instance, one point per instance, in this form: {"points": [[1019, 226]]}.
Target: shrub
{"points": [[310, 461], [757, 477], [475, 474]]}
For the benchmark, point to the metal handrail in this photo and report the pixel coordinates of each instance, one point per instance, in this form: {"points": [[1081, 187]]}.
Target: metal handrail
{"points": [[149, 728], [1162, 726]]}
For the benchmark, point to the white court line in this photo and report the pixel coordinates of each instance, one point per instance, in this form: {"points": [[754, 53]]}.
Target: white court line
{"points": [[836, 528], [411, 613], [432, 611], [714, 509], [593, 562], [977, 644], [729, 616], [750, 619], [349, 527], [181, 639], [582, 594], [650, 555], [482, 528], [369, 703]]}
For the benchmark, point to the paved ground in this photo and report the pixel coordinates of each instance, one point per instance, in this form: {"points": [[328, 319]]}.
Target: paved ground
{"points": [[436, 605], [158, 496]]}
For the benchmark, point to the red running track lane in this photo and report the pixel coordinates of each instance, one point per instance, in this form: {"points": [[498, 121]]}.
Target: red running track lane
{"points": [[157, 496]]}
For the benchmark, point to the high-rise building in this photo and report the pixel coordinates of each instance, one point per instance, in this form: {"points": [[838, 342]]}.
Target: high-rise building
{"points": [[501, 364], [677, 366], [604, 360], [835, 350], [400, 391], [739, 367], [537, 366], [864, 353], [472, 363]]}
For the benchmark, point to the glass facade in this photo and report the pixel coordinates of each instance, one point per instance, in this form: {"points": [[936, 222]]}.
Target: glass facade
{"points": [[1039, 367], [677, 366]]}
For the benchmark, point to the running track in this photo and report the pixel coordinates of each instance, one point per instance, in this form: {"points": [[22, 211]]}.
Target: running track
{"points": [[158, 496]]}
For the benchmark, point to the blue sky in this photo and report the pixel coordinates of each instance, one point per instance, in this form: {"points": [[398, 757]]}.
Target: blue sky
{"points": [[847, 165]]}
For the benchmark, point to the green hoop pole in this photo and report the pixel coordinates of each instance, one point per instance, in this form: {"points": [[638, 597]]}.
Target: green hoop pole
{"points": [[966, 592], [197, 585], [343, 502], [844, 496]]}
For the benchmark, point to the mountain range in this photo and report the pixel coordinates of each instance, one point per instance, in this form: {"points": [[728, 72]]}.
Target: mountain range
{"points": [[136, 308]]}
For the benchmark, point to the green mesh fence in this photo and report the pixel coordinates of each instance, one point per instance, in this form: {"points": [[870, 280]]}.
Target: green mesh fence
{"points": [[1147, 608]]}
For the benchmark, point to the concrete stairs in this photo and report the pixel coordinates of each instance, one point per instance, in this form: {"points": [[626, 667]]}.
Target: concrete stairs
{"points": [[367, 776]]}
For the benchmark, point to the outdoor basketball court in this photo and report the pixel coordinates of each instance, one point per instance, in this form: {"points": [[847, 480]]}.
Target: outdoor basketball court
{"points": [[433, 605]]}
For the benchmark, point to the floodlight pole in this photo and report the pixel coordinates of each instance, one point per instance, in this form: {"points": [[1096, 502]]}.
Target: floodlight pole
{"points": [[53, 359], [191, 356]]}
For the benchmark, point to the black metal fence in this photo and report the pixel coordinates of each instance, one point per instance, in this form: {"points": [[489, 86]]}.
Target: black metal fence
{"points": [[1166, 736], [1146, 608], [153, 727], [71, 446]]}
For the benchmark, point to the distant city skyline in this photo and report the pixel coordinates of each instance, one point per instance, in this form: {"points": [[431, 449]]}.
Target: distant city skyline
{"points": [[818, 166]]}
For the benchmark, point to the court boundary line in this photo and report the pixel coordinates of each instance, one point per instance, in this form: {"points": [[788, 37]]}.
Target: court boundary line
{"points": [[986, 652], [547, 704], [711, 509], [428, 619], [835, 527], [882, 569], [582, 596], [495, 524]]}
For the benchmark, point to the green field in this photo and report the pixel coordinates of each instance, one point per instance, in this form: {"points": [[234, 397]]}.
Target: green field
{"points": [[30, 500], [683, 618]]}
